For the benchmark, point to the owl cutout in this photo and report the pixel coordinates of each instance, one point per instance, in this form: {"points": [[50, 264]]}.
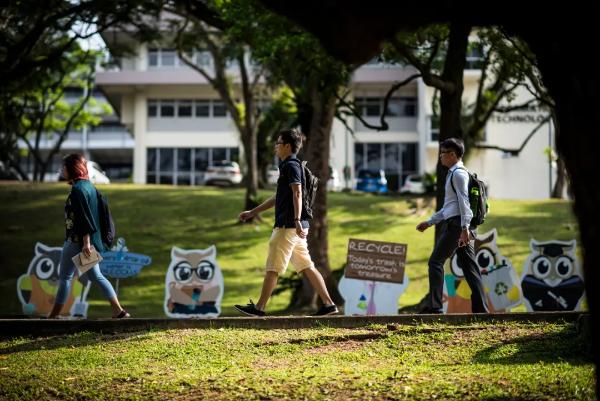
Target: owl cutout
{"points": [[193, 284], [363, 298], [552, 279], [500, 279], [37, 288]]}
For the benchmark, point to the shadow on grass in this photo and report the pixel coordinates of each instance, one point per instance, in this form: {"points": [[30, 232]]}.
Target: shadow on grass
{"points": [[72, 341], [565, 345]]}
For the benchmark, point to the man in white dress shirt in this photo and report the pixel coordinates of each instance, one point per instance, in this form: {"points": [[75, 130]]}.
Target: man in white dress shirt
{"points": [[454, 219]]}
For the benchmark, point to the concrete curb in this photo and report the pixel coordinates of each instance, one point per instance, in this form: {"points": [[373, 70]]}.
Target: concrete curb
{"points": [[10, 328]]}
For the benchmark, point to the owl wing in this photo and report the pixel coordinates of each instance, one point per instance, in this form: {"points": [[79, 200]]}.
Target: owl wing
{"points": [[24, 288]]}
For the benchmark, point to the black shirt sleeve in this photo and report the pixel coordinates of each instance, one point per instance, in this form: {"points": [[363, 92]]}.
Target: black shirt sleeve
{"points": [[84, 221], [293, 173]]}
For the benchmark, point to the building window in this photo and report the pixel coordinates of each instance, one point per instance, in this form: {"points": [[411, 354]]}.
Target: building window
{"points": [[219, 109], [153, 57], [434, 128], [396, 107], [167, 108], [151, 166], [168, 58], [203, 58], [475, 56], [184, 108], [202, 108], [184, 166], [219, 154], [152, 108], [397, 160], [369, 106]]}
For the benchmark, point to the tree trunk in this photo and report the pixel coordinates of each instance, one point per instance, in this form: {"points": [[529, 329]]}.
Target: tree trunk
{"points": [[561, 179], [250, 154], [451, 101], [577, 95], [317, 155]]}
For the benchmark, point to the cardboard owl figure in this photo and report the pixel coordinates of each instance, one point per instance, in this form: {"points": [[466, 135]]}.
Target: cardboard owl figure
{"points": [[500, 279], [37, 288], [193, 284], [363, 297], [552, 278]]}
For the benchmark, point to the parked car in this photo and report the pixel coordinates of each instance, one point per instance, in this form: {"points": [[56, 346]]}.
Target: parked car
{"points": [[371, 180], [413, 184], [223, 172], [95, 172]]}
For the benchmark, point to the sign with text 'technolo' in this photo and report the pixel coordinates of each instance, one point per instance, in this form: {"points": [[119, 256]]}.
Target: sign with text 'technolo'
{"points": [[375, 260]]}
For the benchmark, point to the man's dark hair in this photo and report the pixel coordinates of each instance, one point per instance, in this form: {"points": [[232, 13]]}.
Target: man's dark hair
{"points": [[293, 137], [455, 144]]}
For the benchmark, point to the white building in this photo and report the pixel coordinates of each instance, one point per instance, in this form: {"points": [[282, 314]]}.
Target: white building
{"points": [[180, 126]]}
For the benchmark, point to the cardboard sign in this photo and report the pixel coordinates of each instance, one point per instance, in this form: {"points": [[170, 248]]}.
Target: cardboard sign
{"points": [[552, 279], [120, 263], [193, 284], [37, 288], [375, 261], [365, 298], [500, 280]]}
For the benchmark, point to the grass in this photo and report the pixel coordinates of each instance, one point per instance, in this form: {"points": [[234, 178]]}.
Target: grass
{"points": [[497, 361], [154, 218]]}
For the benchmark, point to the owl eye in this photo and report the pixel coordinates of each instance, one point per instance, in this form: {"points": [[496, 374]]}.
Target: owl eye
{"points": [[456, 270], [564, 267], [183, 272], [44, 268], [541, 267], [205, 271], [485, 259]]}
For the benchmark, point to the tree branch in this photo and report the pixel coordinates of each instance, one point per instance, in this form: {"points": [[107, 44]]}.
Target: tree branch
{"points": [[383, 124], [512, 151]]}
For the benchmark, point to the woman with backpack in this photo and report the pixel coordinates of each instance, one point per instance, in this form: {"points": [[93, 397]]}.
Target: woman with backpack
{"points": [[82, 223]]}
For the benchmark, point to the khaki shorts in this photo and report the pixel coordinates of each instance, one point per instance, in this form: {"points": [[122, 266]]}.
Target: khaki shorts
{"points": [[286, 245]]}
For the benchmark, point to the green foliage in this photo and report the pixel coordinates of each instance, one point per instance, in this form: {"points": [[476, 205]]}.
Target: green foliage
{"points": [[429, 181]]}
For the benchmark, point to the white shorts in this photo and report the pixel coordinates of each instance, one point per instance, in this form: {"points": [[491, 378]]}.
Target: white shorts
{"points": [[285, 246]]}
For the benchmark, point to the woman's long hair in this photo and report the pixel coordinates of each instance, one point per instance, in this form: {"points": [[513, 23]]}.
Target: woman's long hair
{"points": [[76, 166]]}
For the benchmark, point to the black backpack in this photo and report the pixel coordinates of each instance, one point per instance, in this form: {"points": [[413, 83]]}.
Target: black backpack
{"points": [[107, 224], [309, 191], [478, 199]]}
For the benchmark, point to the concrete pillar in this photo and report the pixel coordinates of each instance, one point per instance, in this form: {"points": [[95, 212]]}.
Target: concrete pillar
{"points": [[139, 133]]}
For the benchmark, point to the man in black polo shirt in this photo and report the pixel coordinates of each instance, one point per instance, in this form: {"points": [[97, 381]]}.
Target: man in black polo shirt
{"points": [[288, 241]]}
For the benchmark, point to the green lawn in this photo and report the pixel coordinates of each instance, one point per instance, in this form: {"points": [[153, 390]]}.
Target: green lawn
{"points": [[499, 361], [154, 218]]}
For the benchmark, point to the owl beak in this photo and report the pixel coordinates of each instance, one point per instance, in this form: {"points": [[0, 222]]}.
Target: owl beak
{"points": [[552, 282]]}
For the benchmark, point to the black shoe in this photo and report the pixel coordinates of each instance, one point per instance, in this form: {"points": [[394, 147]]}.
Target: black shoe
{"points": [[250, 309], [326, 310], [429, 311]]}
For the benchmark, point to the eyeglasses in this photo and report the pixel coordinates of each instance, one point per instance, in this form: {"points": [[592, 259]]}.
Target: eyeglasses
{"points": [[279, 143]]}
